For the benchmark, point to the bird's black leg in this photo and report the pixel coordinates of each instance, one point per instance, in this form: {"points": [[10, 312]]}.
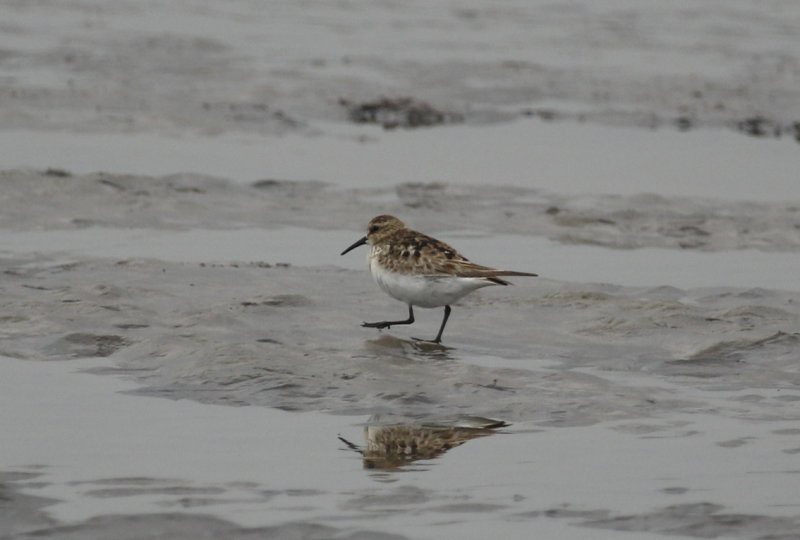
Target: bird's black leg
{"points": [[389, 324], [438, 338]]}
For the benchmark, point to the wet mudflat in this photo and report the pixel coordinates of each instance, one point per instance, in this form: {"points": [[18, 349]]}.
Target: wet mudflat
{"points": [[180, 350], [666, 396]]}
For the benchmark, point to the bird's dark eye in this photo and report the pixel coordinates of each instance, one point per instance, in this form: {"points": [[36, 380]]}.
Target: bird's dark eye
{"points": [[374, 229]]}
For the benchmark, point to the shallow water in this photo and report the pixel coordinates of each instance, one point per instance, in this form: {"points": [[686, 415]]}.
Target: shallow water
{"points": [[566, 158], [645, 267], [102, 452]]}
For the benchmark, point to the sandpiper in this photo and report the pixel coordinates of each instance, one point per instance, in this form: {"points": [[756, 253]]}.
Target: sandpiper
{"points": [[422, 271]]}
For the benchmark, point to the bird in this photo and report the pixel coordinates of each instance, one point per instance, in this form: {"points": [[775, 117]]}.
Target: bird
{"points": [[422, 271]]}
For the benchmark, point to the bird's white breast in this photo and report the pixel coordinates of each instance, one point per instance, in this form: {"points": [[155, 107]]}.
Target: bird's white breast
{"points": [[424, 290]]}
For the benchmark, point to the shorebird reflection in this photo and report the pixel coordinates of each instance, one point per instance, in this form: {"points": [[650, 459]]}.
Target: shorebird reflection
{"points": [[392, 443], [387, 346]]}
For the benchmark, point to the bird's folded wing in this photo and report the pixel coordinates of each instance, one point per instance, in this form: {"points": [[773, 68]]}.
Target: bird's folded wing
{"points": [[465, 268]]}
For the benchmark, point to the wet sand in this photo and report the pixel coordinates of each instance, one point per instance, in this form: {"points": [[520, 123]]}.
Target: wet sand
{"points": [[605, 370], [650, 376]]}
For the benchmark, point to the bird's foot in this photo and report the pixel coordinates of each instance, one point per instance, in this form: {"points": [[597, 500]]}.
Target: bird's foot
{"points": [[379, 325], [436, 341]]}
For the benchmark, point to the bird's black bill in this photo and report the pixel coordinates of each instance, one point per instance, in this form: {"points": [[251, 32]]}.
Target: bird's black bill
{"points": [[361, 242]]}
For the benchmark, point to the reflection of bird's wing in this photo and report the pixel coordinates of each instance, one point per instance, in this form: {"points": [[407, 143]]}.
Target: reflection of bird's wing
{"points": [[391, 445], [417, 442], [467, 422]]}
